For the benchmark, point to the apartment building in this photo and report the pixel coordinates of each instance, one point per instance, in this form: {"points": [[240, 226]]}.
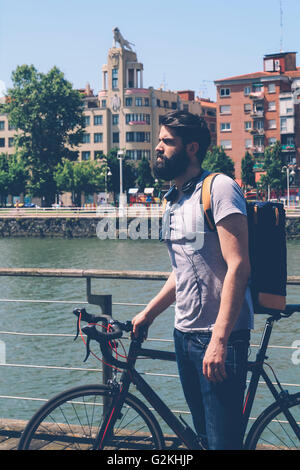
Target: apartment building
{"points": [[126, 115], [257, 109]]}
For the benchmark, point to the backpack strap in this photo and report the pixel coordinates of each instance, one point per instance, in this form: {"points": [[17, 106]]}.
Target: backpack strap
{"points": [[205, 199]]}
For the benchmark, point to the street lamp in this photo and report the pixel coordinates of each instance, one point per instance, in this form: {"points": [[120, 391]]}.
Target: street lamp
{"points": [[120, 157], [288, 174]]}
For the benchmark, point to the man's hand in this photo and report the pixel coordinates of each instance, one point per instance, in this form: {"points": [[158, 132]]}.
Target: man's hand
{"points": [[141, 319], [214, 361]]}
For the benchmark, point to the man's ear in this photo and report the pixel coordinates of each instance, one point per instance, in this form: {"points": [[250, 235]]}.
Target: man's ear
{"points": [[192, 148]]}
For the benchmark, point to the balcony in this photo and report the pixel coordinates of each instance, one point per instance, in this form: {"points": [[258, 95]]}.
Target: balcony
{"points": [[257, 113], [258, 166], [257, 131], [258, 149], [256, 95], [288, 148]]}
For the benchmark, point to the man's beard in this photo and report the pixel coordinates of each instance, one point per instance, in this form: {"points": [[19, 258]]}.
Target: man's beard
{"points": [[169, 168]]}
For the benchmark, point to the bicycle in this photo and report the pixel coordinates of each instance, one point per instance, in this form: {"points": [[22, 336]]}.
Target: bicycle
{"points": [[110, 417]]}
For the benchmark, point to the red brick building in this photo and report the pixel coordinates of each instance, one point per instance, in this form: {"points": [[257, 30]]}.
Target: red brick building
{"points": [[257, 109]]}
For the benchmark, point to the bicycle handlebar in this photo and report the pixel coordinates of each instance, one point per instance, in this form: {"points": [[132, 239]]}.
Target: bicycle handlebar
{"points": [[114, 331]]}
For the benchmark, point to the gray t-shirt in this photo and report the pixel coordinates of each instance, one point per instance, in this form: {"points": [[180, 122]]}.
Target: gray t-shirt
{"points": [[196, 256]]}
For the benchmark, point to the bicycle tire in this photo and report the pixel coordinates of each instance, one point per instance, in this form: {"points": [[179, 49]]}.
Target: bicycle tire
{"points": [[72, 419], [272, 431]]}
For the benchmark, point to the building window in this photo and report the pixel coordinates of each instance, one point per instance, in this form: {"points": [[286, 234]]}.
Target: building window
{"points": [[115, 119], [128, 101], [103, 103], [224, 92], [10, 141], [283, 124], [259, 124], [225, 126], [212, 127], [2, 142], [225, 109], [87, 120], [248, 125], [138, 154], [139, 101], [2, 125], [272, 124], [137, 136], [137, 118], [247, 90], [166, 104], [11, 127], [85, 155], [272, 106], [147, 102], [116, 137], [185, 107], [226, 144], [86, 138], [115, 78], [247, 108], [272, 140], [271, 88], [248, 143], [98, 137], [257, 87], [98, 120]]}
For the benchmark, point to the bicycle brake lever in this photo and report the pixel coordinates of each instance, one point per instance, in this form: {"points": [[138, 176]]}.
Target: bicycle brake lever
{"points": [[88, 351], [77, 332]]}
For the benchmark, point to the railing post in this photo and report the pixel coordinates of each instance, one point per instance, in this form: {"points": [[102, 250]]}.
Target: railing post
{"points": [[105, 304]]}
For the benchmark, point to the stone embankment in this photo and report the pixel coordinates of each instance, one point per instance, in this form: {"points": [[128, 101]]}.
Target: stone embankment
{"points": [[81, 227]]}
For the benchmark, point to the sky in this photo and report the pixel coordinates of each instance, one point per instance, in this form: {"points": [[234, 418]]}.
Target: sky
{"points": [[182, 44]]}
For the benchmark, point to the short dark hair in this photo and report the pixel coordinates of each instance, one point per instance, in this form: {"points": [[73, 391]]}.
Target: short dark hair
{"points": [[190, 128]]}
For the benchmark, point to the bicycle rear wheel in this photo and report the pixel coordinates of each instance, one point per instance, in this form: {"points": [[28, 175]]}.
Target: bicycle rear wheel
{"points": [[273, 430], [72, 420]]}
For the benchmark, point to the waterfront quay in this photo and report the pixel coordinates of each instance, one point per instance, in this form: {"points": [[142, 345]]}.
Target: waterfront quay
{"points": [[84, 222]]}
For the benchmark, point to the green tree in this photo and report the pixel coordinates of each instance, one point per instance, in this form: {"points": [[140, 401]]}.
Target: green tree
{"points": [[48, 114], [248, 175], [17, 175], [144, 176], [13, 176], [273, 178], [79, 177], [216, 160], [4, 181]]}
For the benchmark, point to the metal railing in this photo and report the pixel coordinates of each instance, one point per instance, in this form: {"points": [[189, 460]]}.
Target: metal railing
{"points": [[134, 210], [104, 302]]}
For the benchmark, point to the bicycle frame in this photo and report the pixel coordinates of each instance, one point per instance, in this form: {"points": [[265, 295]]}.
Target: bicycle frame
{"points": [[184, 432], [130, 375]]}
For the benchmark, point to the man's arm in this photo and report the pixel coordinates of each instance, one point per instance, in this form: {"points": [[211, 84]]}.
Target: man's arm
{"points": [[157, 305], [233, 236]]}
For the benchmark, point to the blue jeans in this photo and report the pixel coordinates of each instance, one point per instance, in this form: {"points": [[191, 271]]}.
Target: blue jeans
{"points": [[216, 408]]}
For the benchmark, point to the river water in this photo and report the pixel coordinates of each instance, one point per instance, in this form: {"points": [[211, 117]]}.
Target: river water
{"points": [[61, 351]]}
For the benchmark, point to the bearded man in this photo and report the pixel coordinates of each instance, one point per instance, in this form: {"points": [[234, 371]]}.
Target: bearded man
{"points": [[209, 283]]}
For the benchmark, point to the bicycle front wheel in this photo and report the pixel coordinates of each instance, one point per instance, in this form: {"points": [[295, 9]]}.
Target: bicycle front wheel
{"points": [[275, 430], [72, 420]]}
